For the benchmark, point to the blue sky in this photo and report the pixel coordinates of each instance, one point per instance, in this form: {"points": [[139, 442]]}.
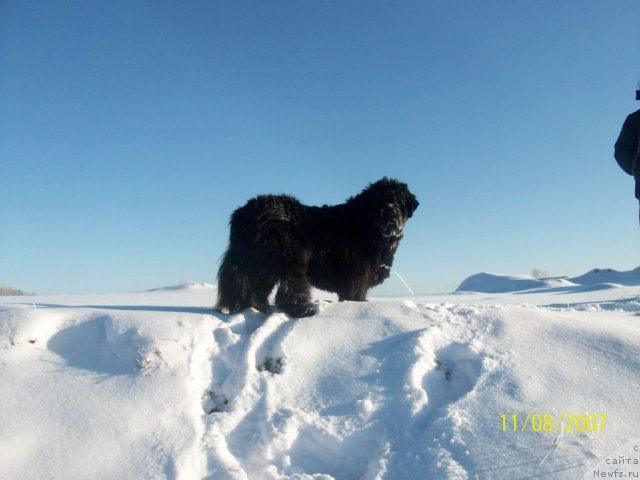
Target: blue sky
{"points": [[129, 131]]}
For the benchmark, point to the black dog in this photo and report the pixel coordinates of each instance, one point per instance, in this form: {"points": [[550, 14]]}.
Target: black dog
{"points": [[346, 248]]}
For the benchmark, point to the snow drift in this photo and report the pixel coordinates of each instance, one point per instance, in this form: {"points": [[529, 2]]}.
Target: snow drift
{"points": [[156, 385], [596, 279]]}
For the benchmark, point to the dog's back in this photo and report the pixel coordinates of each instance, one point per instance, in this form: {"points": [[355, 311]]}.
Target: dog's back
{"points": [[263, 220]]}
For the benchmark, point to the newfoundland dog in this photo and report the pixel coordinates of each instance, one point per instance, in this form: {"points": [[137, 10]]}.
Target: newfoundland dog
{"points": [[346, 248]]}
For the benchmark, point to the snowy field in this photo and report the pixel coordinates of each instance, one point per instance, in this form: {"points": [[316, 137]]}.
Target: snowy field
{"points": [[155, 385]]}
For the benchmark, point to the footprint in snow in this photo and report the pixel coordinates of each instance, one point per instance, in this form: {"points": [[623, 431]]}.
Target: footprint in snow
{"points": [[271, 365], [457, 371], [213, 402]]}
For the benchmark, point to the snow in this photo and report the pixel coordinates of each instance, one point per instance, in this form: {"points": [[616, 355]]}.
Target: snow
{"points": [[155, 384], [596, 279]]}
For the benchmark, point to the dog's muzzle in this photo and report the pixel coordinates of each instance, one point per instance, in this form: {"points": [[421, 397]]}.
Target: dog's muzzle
{"points": [[392, 221]]}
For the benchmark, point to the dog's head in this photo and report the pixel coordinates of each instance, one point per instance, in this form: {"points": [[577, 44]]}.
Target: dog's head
{"points": [[395, 205]]}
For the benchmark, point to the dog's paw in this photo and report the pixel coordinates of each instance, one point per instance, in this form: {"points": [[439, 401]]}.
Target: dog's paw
{"points": [[299, 310]]}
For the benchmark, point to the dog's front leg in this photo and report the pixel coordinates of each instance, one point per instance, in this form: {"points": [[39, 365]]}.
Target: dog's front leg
{"points": [[294, 293], [354, 293]]}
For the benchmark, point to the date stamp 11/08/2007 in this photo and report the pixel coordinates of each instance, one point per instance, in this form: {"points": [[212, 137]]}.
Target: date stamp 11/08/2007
{"points": [[549, 422]]}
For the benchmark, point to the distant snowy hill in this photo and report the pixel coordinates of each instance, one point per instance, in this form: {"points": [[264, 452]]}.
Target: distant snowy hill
{"points": [[596, 279], [541, 383]]}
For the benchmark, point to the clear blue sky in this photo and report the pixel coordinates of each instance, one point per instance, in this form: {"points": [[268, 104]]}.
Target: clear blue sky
{"points": [[130, 130]]}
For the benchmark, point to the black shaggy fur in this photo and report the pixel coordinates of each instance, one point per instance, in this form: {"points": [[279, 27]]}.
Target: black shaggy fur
{"points": [[346, 248]]}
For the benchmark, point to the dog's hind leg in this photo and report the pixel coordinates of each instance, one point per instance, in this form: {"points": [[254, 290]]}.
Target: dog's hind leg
{"points": [[234, 286], [294, 293]]}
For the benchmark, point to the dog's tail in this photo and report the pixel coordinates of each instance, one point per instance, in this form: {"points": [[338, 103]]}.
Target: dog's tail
{"points": [[234, 289]]}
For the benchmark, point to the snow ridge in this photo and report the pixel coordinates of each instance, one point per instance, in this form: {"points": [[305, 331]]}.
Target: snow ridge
{"points": [[157, 385]]}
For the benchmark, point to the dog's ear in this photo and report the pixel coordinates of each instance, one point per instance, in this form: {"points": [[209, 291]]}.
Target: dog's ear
{"points": [[411, 204]]}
